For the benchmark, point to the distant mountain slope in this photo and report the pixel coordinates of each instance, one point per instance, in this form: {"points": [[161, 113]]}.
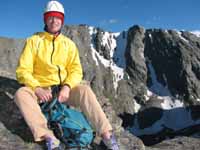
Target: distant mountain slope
{"points": [[147, 80]]}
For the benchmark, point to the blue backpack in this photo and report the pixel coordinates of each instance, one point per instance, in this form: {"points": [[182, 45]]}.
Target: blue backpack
{"points": [[68, 125]]}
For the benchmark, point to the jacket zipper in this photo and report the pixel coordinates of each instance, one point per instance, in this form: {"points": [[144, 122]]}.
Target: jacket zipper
{"points": [[59, 75]]}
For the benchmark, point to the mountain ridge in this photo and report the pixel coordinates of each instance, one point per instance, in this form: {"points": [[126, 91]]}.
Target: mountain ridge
{"points": [[142, 75]]}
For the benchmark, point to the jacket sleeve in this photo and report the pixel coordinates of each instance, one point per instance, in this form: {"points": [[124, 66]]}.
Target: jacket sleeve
{"points": [[24, 71], [74, 68]]}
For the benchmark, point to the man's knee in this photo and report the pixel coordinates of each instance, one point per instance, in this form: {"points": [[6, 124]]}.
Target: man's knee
{"points": [[84, 87], [21, 92]]}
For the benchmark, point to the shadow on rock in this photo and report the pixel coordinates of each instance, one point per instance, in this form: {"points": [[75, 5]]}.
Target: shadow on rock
{"points": [[10, 115], [154, 125]]}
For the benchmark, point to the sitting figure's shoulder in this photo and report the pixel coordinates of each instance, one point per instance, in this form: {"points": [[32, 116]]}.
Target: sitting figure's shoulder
{"points": [[39, 34], [36, 36], [68, 40]]}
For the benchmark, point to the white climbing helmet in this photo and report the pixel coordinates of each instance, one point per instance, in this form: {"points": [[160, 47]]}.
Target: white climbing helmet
{"points": [[54, 6]]}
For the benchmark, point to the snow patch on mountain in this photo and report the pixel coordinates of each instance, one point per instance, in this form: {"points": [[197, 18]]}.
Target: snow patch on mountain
{"points": [[111, 40], [175, 116], [196, 32], [162, 91], [181, 37]]}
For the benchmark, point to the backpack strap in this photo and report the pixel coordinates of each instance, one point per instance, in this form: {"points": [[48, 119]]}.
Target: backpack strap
{"points": [[46, 107]]}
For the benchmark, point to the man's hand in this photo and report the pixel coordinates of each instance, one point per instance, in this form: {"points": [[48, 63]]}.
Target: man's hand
{"points": [[44, 95], [64, 94]]}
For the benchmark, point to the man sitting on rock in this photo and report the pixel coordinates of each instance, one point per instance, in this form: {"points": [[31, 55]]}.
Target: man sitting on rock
{"points": [[49, 58]]}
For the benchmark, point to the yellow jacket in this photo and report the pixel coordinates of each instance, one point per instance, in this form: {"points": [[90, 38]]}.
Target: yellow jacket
{"points": [[47, 61]]}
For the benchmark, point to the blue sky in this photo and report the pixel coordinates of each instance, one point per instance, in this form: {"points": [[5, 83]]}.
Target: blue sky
{"points": [[21, 18]]}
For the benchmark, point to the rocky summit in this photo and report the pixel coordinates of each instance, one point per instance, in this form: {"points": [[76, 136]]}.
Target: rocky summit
{"points": [[146, 80]]}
